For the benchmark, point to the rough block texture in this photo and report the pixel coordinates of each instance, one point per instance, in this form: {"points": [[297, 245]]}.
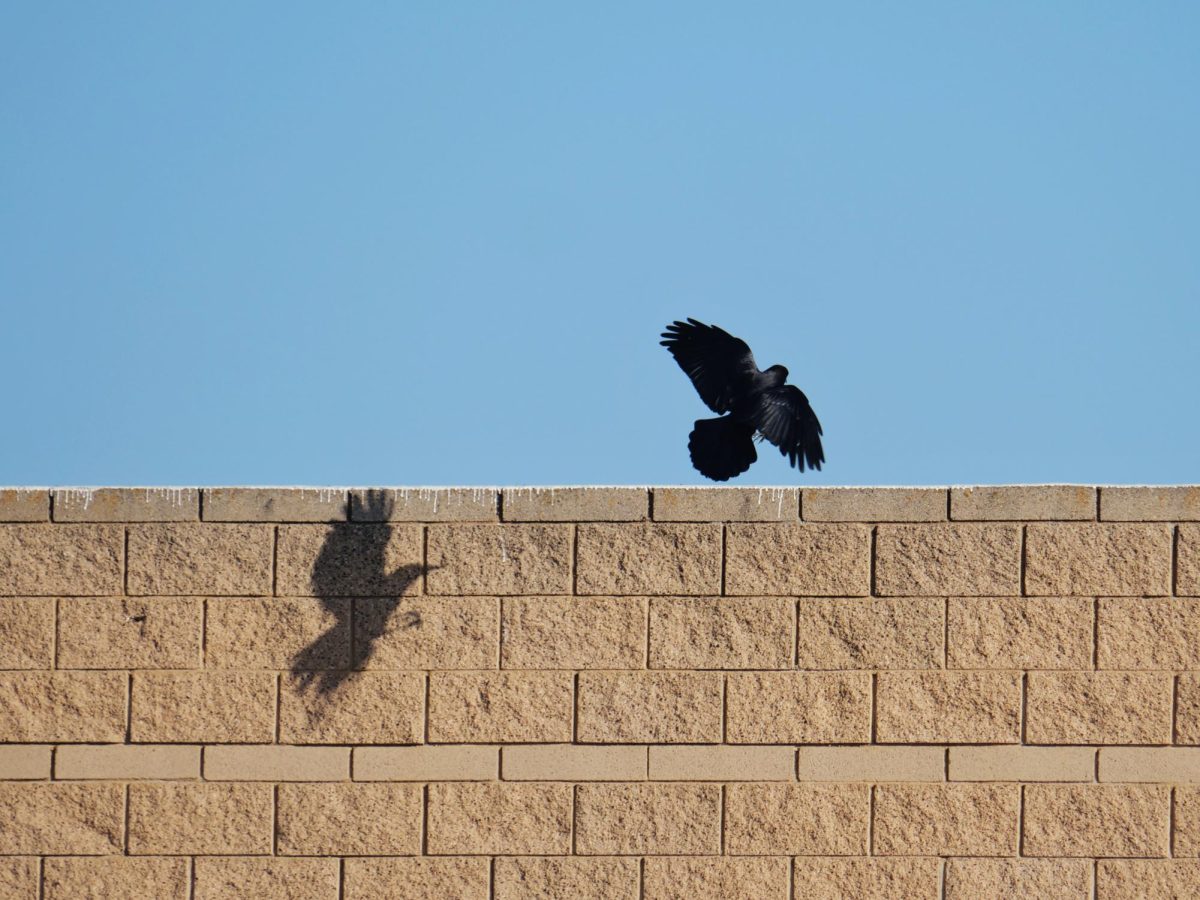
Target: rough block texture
{"points": [[628, 693]]}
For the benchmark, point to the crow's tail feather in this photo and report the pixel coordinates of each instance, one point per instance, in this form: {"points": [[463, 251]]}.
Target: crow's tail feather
{"points": [[722, 448]]}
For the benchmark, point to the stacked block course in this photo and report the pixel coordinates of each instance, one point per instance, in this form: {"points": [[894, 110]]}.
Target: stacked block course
{"points": [[612, 693]]}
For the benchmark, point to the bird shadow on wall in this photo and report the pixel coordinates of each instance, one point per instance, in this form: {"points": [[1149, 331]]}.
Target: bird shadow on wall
{"points": [[351, 580]]}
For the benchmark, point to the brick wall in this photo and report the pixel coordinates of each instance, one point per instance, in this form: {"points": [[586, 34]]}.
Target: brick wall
{"points": [[600, 693]]}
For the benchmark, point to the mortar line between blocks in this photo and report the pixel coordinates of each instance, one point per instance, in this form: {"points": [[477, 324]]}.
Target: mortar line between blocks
{"points": [[1021, 822], [575, 560], [341, 878], [1175, 561], [871, 821], [1175, 708], [871, 561], [1095, 872], [275, 820], [724, 553], [1171, 823], [41, 887], [275, 561], [125, 564], [1023, 560], [129, 708], [1096, 633], [126, 841], [943, 868], [1024, 708]]}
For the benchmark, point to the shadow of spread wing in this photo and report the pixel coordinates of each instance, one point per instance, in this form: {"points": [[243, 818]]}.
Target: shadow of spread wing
{"points": [[785, 419], [720, 365]]}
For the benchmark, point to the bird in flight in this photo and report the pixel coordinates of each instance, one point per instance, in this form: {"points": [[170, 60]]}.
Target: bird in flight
{"points": [[753, 405]]}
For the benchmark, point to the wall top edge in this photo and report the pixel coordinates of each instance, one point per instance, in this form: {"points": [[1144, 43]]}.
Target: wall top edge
{"points": [[593, 487]]}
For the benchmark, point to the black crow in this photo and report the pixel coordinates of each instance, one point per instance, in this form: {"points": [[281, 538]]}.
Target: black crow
{"points": [[759, 404]]}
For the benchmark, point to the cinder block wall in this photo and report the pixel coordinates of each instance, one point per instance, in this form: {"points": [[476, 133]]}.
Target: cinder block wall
{"points": [[600, 693]]}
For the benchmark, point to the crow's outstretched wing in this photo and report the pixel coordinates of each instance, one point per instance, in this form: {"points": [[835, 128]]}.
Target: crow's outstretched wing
{"points": [[785, 419], [720, 365]]}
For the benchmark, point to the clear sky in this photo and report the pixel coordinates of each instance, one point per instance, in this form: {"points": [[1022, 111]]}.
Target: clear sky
{"points": [[430, 243]]}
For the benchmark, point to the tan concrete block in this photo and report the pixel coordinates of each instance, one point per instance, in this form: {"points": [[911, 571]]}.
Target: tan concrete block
{"points": [[1022, 763], [26, 633], [1020, 633], [874, 504], [649, 707], [1187, 709], [275, 763], [129, 633], [500, 707], [1043, 879], [730, 878], [1122, 560], [24, 762], [349, 560], [871, 763], [1186, 823], [576, 504], [649, 559], [418, 878], [1178, 503], [349, 820], [798, 707], [935, 560], [722, 763], [574, 633], [1098, 708], [424, 505], [1096, 820], [126, 761], [240, 504], [722, 632], [1187, 577], [301, 633], [818, 878], [442, 763], [541, 877], [1021, 502], [19, 875], [1177, 765], [24, 505], [716, 504], [572, 762], [1136, 879], [946, 819], [499, 559], [214, 560], [200, 819], [247, 878], [797, 819], [366, 708], [868, 633], [52, 560], [205, 707], [76, 819], [467, 817], [948, 707], [647, 818], [62, 706], [81, 878], [135, 504], [1148, 633], [427, 632], [805, 560]]}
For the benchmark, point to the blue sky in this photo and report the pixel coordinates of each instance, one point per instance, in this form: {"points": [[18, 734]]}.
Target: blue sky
{"points": [[432, 244]]}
